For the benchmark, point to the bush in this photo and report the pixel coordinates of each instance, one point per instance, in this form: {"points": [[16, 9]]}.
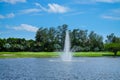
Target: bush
{"points": [[114, 47]]}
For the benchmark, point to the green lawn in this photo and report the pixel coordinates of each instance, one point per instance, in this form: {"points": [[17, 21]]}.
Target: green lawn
{"points": [[52, 54], [27, 54], [94, 54]]}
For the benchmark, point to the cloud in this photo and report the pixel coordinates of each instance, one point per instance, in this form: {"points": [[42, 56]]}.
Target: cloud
{"points": [[37, 4], [54, 8], [10, 15], [110, 17], [96, 1], [26, 27], [13, 1], [113, 14], [32, 10]]}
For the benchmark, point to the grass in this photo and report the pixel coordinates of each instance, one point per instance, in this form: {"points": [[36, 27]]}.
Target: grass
{"points": [[94, 54], [27, 54], [52, 54]]}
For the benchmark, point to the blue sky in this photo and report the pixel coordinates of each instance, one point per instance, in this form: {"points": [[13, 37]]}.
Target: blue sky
{"points": [[22, 18]]}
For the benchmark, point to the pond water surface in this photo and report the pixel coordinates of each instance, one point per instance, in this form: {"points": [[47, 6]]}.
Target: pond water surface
{"points": [[100, 68]]}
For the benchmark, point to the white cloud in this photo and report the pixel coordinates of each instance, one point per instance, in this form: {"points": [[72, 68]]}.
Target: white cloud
{"points": [[26, 27], [32, 10], [110, 17], [10, 15], [96, 1], [113, 14], [54, 8], [12, 1], [37, 4]]}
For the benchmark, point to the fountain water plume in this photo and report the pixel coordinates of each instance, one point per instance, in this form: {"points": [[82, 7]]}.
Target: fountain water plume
{"points": [[67, 56]]}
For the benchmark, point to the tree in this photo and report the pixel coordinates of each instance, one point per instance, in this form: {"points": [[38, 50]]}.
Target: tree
{"points": [[2, 43], [114, 47], [52, 39], [112, 43], [61, 31], [41, 35], [42, 38], [75, 38], [95, 41], [7, 46], [79, 40]]}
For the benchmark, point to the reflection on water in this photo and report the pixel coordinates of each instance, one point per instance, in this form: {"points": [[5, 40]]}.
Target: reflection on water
{"points": [[52, 69]]}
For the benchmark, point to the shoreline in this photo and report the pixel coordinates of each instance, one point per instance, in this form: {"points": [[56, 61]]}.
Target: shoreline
{"points": [[54, 54]]}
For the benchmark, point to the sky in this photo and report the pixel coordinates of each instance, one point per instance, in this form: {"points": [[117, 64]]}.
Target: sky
{"points": [[22, 18]]}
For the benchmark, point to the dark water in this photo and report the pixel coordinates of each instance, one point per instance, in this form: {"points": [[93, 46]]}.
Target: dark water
{"points": [[103, 68]]}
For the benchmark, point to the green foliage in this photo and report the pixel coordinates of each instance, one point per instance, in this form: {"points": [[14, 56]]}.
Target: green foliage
{"points": [[112, 43], [112, 39], [95, 41], [114, 47], [52, 39]]}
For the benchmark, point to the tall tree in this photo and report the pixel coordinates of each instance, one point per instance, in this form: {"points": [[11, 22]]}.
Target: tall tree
{"points": [[75, 43], [2, 43], [61, 34], [42, 38], [112, 43], [95, 41]]}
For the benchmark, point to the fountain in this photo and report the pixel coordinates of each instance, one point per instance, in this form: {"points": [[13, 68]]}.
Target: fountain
{"points": [[67, 56]]}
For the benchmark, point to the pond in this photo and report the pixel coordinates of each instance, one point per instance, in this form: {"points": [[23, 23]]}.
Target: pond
{"points": [[83, 68]]}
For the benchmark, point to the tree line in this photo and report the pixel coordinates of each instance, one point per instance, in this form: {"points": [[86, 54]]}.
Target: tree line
{"points": [[52, 39]]}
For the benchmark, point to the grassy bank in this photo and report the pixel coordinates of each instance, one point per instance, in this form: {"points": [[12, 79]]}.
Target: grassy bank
{"points": [[52, 54], [27, 54], [94, 54]]}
